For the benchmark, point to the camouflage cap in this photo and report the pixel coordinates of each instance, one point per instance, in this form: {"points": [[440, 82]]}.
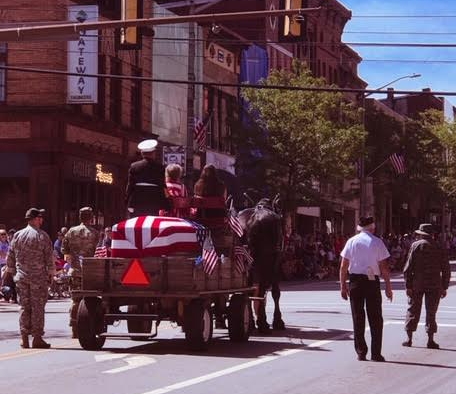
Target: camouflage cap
{"points": [[33, 213]]}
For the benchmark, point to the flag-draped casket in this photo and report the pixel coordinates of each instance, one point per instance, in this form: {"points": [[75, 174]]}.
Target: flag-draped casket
{"points": [[164, 254], [145, 236]]}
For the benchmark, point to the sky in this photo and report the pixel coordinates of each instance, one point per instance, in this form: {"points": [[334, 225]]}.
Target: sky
{"points": [[381, 65]]}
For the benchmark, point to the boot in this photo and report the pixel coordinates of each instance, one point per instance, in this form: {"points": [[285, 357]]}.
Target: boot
{"points": [[431, 344], [25, 341], [408, 342], [39, 343]]}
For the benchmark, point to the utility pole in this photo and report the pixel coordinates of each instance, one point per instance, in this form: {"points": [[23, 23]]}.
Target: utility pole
{"points": [[362, 164]]}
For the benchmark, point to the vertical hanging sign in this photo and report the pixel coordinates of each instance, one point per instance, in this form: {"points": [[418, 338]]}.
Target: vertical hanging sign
{"points": [[83, 58]]}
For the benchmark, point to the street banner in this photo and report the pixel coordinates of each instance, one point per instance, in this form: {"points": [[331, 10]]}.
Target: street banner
{"points": [[83, 58], [174, 155]]}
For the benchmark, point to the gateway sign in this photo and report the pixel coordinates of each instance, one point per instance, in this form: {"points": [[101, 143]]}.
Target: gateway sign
{"points": [[83, 58]]}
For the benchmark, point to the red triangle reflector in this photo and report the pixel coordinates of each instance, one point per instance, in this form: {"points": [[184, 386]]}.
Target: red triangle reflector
{"points": [[135, 274]]}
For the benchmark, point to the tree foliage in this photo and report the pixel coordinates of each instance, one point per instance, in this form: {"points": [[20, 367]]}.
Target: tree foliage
{"points": [[443, 150], [307, 135]]}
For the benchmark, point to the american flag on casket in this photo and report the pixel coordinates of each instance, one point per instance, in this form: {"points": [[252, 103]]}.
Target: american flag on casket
{"points": [[156, 236]]}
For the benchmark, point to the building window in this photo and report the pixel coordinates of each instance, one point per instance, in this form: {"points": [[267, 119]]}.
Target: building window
{"points": [[3, 53], [129, 38], [136, 100]]}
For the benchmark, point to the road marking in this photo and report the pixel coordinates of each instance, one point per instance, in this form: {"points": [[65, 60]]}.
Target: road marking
{"points": [[259, 361], [240, 367], [110, 356], [32, 352], [133, 362], [422, 324]]}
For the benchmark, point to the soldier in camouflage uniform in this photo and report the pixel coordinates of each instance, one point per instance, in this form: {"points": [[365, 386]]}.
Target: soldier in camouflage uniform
{"points": [[30, 260], [80, 241], [427, 273]]}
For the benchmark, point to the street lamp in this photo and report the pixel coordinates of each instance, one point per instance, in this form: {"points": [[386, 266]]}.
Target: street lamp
{"points": [[362, 172]]}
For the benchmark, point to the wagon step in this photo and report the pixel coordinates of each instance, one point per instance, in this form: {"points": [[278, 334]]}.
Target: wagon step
{"points": [[131, 316], [128, 335]]}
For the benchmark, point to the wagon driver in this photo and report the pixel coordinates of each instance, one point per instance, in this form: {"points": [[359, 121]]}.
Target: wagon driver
{"points": [[146, 187]]}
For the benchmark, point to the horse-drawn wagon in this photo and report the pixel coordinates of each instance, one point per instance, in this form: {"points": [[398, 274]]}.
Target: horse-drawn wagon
{"points": [[156, 274]]}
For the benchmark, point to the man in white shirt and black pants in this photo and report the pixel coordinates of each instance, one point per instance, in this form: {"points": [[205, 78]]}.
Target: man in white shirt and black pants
{"points": [[363, 261]]}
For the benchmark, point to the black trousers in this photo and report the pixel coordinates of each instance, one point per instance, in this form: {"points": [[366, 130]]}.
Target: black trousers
{"points": [[365, 295], [431, 302]]}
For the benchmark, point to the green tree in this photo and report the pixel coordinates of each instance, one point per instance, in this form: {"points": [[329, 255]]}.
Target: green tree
{"points": [[442, 141], [308, 135]]}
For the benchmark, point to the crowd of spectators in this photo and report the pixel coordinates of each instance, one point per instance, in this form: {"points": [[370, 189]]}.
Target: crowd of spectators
{"points": [[317, 256]]}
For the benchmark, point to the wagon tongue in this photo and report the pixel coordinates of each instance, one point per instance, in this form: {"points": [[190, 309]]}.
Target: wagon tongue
{"points": [[135, 275]]}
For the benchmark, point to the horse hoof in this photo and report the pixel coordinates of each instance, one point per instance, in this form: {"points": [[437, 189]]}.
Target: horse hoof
{"points": [[263, 327], [278, 325]]}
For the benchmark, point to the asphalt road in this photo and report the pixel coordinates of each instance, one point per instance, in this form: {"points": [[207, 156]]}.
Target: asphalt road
{"points": [[314, 355]]}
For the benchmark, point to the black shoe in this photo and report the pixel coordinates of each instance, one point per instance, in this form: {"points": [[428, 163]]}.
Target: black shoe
{"points": [[407, 343], [361, 357], [432, 345], [378, 358]]}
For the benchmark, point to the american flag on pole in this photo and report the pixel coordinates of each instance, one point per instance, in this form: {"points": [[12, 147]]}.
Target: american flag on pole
{"points": [[101, 251], [210, 257], [200, 132], [234, 222], [156, 236], [243, 259], [398, 163]]}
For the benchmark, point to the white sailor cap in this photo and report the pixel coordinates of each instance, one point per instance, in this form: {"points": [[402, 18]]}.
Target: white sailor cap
{"points": [[147, 145]]}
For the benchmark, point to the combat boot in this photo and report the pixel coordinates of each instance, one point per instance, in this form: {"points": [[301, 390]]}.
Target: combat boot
{"points": [[25, 341], [39, 343]]}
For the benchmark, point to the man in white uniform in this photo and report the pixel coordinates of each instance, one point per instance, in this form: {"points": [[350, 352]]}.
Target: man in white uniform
{"points": [[363, 261]]}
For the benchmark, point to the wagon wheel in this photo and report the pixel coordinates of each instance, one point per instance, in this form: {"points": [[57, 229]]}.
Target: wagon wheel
{"points": [[90, 324], [139, 326], [239, 317], [198, 325]]}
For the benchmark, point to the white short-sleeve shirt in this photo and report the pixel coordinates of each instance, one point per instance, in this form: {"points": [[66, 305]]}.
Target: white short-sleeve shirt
{"points": [[364, 250]]}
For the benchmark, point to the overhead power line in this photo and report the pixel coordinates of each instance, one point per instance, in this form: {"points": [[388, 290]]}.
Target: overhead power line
{"points": [[404, 16], [224, 84], [407, 33], [34, 32]]}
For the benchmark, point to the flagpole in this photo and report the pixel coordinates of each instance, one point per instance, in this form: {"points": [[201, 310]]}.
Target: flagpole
{"points": [[376, 168]]}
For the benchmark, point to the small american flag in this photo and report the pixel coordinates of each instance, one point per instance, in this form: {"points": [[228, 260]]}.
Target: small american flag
{"points": [[398, 162], [201, 232], [200, 132], [101, 251], [242, 258], [235, 224], [210, 257]]}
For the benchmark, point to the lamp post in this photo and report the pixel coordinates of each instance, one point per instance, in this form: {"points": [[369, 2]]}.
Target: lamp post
{"points": [[362, 171]]}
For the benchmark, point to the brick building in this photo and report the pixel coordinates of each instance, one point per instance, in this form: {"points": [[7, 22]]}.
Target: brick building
{"points": [[61, 150]]}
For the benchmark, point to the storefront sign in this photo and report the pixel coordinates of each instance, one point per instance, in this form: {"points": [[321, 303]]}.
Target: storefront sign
{"points": [[90, 171], [222, 57], [102, 176], [174, 154], [83, 58]]}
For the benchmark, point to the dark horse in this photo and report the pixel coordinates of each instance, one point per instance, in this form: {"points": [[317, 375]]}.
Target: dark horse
{"points": [[263, 229]]}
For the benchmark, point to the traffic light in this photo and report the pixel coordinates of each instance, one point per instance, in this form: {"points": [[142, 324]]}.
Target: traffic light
{"points": [[293, 26]]}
